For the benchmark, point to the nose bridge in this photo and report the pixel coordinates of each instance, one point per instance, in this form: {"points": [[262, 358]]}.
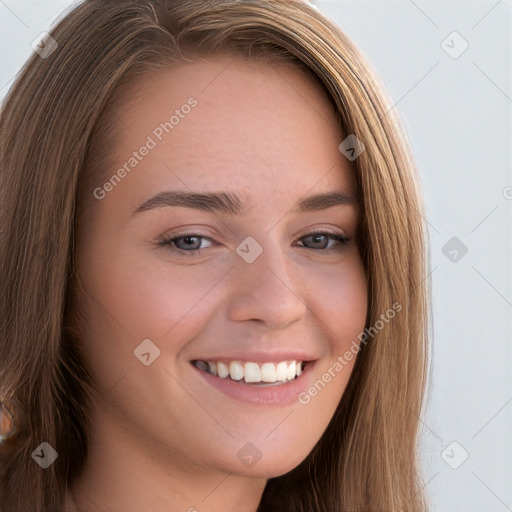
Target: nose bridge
{"points": [[264, 287], [264, 255]]}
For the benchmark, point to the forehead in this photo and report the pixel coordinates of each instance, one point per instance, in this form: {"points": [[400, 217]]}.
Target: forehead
{"points": [[232, 124]]}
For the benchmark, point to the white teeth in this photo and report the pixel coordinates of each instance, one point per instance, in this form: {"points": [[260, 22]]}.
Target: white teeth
{"points": [[222, 370], [236, 370], [253, 373], [212, 367], [291, 370], [268, 372], [281, 371]]}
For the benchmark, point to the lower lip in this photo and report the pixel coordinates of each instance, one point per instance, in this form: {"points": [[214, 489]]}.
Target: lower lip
{"points": [[281, 394]]}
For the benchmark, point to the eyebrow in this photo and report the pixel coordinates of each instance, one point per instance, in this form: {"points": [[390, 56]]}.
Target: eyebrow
{"points": [[231, 204]]}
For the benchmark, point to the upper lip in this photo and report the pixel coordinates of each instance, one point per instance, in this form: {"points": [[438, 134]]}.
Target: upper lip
{"points": [[261, 357]]}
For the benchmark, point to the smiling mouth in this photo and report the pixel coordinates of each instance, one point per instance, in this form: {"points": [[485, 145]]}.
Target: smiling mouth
{"points": [[256, 374]]}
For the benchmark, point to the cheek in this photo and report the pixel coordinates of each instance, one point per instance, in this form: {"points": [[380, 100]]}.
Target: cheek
{"points": [[342, 309], [138, 298], [342, 305], [162, 299]]}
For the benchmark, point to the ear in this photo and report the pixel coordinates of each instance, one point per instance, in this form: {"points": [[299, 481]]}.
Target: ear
{"points": [[12, 435]]}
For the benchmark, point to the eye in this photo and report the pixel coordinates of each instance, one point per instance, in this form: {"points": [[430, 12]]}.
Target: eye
{"points": [[320, 237], [189, 244]]}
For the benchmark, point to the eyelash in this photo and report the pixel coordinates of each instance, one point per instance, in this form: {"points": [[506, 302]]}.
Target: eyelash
{"points": [[168, 240]]}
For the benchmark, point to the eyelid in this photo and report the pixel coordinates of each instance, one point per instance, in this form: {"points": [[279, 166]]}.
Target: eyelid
{"points": [[305, 232], [321, 230]]}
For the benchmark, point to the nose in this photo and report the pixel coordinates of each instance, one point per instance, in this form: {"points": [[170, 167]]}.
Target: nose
{"points": [[264, 291]]}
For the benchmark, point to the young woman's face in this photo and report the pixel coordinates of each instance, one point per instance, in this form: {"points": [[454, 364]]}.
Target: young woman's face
{"points": [[237, 277]]}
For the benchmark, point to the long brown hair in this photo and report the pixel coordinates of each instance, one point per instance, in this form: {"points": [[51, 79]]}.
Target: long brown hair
{"points": [[56, 128]]}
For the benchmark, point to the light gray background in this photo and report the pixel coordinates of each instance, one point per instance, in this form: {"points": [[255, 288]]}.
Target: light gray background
{"points": [[457, 113]]}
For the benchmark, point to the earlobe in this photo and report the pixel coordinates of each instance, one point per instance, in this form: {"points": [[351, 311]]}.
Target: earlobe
{"points": [[7, 420], [12, 435]]}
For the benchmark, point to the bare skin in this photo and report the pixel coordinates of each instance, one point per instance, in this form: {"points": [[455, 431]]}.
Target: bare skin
{"points": [[164, 438]]}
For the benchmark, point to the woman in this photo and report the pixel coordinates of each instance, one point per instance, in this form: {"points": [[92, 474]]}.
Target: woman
{"points": [[263, 369]]}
